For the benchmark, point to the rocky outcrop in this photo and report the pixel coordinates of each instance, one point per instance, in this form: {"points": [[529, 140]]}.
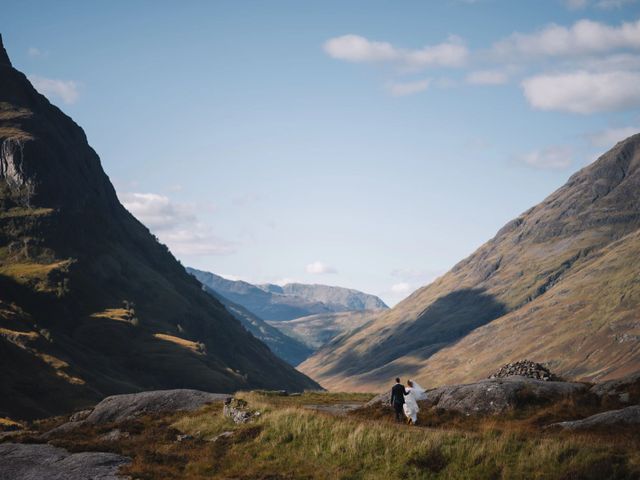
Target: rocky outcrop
{"points": [[123, 407], [625, 417], [38, 462], [625, 390], [118, 408], [238, 411], [495, 396], [524, 368]]}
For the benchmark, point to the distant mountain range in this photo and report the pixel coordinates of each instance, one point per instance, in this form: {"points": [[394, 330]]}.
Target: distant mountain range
{"points": [[300, 318], [294, 300], [557, 285], [91, 304]]}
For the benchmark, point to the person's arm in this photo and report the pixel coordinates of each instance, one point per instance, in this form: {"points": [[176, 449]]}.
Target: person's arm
{"points": [[406, 392]]}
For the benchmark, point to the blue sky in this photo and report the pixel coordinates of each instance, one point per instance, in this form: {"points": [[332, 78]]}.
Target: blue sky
{"points": [[364, 144]]}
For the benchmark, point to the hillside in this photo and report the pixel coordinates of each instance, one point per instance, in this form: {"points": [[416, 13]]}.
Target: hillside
{"points": [[91, 304], [558, 285], [273, 302], [316, 331], [288, 348]]}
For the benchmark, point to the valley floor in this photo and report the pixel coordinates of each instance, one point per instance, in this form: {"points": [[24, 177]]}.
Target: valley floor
{"points": [[310, 437]]}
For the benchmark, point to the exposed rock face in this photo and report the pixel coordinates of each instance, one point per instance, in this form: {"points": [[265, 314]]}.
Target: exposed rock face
{"points": [[625, 417], [621, 391], [91, 303], [524, 368], [237, 410], [118, 408], [494, 396], [37, 462], [556, 285], [122, 407]]}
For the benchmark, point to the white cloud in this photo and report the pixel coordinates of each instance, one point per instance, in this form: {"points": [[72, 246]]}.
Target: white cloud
{"points": [[583, 92], [487, 77], [402, 287], [34, 52], [355, 48], [318, 267], [157, 212], [583, 37], [67, 90], [609, 137], [557, 157], [175, 224], [408, 88]]}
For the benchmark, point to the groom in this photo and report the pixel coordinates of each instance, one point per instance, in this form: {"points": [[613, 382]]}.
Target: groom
{"points": [[397, 398]]}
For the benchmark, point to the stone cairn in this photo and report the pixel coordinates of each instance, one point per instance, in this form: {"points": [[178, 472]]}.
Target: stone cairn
{"points": [[525, 368], [237, 410]]}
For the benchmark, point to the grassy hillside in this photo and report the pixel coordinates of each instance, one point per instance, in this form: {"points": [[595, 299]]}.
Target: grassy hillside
{"points": [[291, 439], [91, 303], [556, 285]]}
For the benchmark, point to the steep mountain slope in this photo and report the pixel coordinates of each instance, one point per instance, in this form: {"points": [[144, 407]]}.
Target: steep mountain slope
{"points": [[315, 331], [272, 302], [559, 284], [288, 348], [90, 303]]}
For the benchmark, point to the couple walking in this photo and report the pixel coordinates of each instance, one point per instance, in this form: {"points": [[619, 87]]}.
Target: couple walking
{"points": [[406, 400]]}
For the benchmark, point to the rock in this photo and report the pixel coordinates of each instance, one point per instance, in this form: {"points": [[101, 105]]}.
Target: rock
{"points": [[124, 407], [629, 416], [79, 416], [184, 437], [236, 410], [222, 436], [525, 368], [623, 390], [493, 396], [114, 435], [38, 462]]}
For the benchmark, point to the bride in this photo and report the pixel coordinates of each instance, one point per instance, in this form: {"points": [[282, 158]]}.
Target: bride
{"points": [[414, 393]]}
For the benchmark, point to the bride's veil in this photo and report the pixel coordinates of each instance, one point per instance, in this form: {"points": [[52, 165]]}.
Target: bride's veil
{"points": [[419, 391]]}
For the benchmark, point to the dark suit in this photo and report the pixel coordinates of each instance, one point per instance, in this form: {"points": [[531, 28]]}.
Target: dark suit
{"points": [[397, 399]]}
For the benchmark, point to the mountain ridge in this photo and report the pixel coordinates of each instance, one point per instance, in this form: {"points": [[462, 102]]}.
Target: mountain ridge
{"points": [[432, 333], [90, 303]]}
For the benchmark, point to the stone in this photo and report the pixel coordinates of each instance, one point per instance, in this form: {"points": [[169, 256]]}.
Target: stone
{"points": [[525, 368], [118, 408], [222, 436], [184, 437], [629, 416], [493, 396], [114, 435], [622, 390], [38, 462], [237, 410], [79, 416]]}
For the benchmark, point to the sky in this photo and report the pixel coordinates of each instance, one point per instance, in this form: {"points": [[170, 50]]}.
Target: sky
{"points": [[365, 144]]}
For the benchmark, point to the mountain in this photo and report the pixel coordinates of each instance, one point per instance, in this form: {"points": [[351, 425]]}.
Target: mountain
{"points": [[557, 285], [288, 348], [272, 302], [91, 304], [315, 331], [338, 298]]}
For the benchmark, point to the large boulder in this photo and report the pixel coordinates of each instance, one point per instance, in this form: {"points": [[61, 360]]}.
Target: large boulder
{"points": [[123, 407], [622, 391], [36, 462], [494, 396], [625, 417], [118, 408]]}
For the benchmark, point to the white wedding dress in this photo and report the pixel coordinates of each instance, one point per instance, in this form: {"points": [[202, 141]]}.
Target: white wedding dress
{"points": [[410, 406]]}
